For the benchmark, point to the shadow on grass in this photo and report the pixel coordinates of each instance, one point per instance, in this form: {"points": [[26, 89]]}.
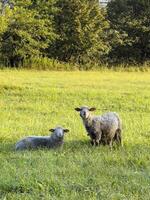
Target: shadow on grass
{"points": [[78, 145], [70, 145], [75, 144], [13, 188]]}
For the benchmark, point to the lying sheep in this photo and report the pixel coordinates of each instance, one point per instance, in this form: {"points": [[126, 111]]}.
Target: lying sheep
{"points": [[102, 129], [52, 141]]}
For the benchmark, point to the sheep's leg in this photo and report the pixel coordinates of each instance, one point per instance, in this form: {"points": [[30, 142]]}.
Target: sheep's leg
{"points": [[98, 138], [107, 140], [103, 138], [97, 142], [95, 138], [111, 144], [118, 137], [93, 142]]}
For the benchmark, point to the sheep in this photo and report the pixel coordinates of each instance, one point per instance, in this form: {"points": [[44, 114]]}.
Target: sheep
{"points": [[52, 141], [103, 129]]}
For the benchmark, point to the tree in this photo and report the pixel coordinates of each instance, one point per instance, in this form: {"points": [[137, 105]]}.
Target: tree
{"points": [[82, 29], [5, 14], [130, 23], [4, 21], [27, 34]]}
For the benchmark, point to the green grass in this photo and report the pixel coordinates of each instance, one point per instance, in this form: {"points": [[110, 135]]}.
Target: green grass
{"points": [[32, 102]]}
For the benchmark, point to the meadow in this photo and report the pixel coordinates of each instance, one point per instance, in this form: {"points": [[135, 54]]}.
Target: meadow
{"points": [[32, 102]]}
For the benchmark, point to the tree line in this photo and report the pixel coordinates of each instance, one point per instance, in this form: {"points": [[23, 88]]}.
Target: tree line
{"points": [[75, 31]]}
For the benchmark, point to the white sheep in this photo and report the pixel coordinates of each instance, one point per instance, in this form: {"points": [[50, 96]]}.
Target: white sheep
{"points": [[56, 139], [101, 129]]}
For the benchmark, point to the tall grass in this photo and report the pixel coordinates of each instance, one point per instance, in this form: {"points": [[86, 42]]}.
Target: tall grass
{"points": [[44, 63], [47, 64]]}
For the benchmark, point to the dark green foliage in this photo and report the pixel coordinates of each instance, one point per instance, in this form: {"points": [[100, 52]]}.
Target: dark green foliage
{"points": [[81, 26], [4, 19], [27, 34], [130, 23], [74, 31]]}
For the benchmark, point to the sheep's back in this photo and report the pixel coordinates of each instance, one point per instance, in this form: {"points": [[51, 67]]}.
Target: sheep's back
{"points": [[110, 122], [32, 142]]}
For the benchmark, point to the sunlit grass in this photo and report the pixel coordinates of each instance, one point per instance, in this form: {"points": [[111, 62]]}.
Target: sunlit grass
{"points": [[32, 102]]}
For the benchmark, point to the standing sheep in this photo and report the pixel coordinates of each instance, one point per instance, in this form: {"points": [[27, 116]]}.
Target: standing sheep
{"points": [[101, 129], [52, 141]]}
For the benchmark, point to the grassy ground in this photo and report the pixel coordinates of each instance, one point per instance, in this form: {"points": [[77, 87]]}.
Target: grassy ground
{"points": [[32, 102]]}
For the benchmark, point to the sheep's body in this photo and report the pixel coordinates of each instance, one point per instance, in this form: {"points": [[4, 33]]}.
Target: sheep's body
{"points": [[104, 129], [34, 142]]}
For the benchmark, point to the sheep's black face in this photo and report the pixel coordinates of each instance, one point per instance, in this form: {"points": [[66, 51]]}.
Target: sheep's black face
{"points": [[59, 131], [84, 111]]}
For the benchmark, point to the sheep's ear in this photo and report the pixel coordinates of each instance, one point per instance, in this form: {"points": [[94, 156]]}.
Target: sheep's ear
{"points": [[92, 109], [78, 109], [66, 130], [52, 130]]}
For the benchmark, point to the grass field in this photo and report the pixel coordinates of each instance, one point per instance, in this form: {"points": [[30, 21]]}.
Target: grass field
{"points": [[32, 102]]}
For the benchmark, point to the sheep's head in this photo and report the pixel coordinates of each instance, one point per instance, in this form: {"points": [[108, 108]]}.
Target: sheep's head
{"points": [[59, 131], [85, 111]]}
